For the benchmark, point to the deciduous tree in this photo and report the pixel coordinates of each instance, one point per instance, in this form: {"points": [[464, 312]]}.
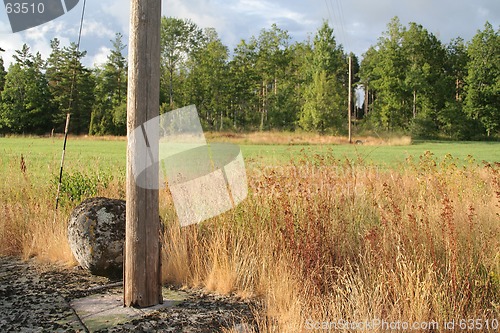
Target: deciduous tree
{"points": [[483, 79], [179, 39]]}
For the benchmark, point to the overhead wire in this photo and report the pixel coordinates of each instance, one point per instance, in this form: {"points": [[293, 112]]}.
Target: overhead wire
{"points": [[70, 105], [328, 9], [332, 18], [337, 19], [341, 20]]}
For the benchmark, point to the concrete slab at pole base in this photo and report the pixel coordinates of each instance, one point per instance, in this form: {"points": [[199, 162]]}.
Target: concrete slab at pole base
{"points": [[106, 310]]}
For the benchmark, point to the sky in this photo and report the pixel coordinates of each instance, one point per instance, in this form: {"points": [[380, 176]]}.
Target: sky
{"points": [[357, 23]]}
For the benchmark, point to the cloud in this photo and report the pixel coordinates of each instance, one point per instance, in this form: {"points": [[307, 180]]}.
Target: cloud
{"points": [[446, 19], [241, 19], [101, 56], [38, 38], [206, 14], [118, 12], [98, 29], [357, 24], [260, 14], [93, 28]]}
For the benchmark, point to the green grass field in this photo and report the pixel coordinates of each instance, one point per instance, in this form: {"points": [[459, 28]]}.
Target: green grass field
{"points": [[389, 156], [42, 155]]}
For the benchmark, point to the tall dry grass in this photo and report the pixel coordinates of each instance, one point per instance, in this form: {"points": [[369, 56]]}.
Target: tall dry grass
{"points": [[322, 240], [30, 226], [298, 138], [27, 225], [318, 240]]}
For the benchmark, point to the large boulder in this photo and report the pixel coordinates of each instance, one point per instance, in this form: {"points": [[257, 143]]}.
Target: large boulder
{"points": [[96, 233]]}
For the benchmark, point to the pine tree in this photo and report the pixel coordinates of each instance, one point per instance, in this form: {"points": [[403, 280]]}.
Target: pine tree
{"points": [[454, 122], [71, 86], [109, 115], [317, 112], [26, 106], [405, 76], [325, 97]]}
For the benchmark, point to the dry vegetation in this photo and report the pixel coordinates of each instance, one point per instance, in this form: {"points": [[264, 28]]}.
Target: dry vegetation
{"points": [[297, 138], [318, 240]]}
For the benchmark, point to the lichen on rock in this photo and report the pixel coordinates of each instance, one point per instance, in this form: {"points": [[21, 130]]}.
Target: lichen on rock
{"points": [[96, 233]]}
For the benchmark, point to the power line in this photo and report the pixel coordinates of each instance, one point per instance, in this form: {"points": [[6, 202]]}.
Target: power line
{"points": [[70, 104], [341, 20], [76, 57], [333, 19], [81, 25], [328, 9], [336, 17]]}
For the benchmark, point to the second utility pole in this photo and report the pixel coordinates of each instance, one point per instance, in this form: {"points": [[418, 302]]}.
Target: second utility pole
{"points": [[350, 99]]}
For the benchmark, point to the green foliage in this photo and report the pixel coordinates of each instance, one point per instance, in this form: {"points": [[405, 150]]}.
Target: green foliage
{"points": [[244, 79], [179, 40], [109, 114], [418, 84], [413, 84], [77, 186], [3, 73], [318, 113], [209, 80], [272, 61], [325, 98], [424, 126], [456, 124], [456, 66], [71, 86], [483, 79], [26, 100]]}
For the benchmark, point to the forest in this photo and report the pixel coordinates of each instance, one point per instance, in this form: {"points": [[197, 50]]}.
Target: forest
{"points": [[412, 83]]}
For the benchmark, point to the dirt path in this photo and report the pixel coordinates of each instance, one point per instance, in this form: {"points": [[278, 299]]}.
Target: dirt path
{"points": [[36, 298]]}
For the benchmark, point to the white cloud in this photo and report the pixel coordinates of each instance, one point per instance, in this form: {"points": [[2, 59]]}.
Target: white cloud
{"points": [[357, 23], [93, 28], [9, 44], [119, 11], [204, 13], [445, 18], [44, 31], [101, 56]]}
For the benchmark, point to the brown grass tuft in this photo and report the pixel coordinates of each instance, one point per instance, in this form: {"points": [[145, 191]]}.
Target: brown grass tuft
{"points": [[303, 138]]}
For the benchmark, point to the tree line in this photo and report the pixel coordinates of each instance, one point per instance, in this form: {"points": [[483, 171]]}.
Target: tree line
{"points": [[412, 83]]}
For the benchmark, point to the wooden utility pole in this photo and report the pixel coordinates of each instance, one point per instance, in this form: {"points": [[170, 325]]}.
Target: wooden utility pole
{"points": [[350, 99], [367, 91], [142, 266]]}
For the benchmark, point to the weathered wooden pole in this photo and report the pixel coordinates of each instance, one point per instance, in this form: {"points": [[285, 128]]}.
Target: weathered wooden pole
{"points": [[142, 266]]}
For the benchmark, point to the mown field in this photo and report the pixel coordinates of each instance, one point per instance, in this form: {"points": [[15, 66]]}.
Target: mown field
{"points": [[328, 232], [43, 154]]}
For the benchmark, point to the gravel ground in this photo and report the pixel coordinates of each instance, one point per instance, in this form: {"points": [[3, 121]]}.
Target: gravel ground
{"points": [[35, 297]]}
